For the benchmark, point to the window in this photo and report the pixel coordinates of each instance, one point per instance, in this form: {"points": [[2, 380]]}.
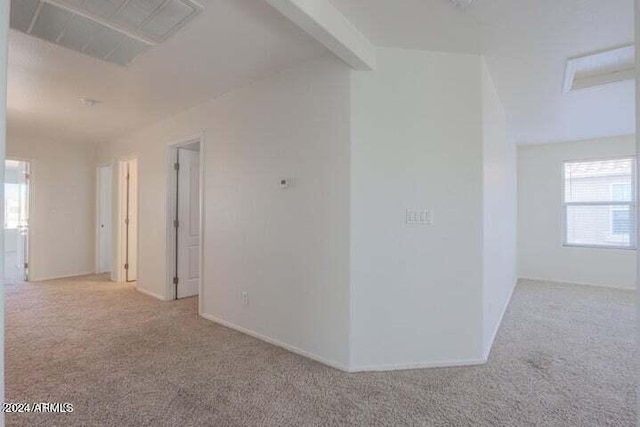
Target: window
{"points": [[600, 203]]}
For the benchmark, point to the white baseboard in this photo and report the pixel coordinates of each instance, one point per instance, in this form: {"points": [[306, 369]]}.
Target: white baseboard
{"points": [[487, 351], [341, 367], [419, 365], [151, 294], [276, 342], [564, 282], [66, 276]]}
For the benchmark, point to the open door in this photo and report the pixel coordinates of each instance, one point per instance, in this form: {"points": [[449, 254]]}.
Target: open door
{"points": [[16, 221], [104, 219], [188, 222], [129, 219]]}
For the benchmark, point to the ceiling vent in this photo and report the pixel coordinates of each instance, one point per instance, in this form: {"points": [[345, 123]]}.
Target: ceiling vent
{"points": [[597, 69], [111, 30]]}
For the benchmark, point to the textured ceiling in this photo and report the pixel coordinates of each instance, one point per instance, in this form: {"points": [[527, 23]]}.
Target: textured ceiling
{"points": [[415, 24], [526, 44], [231, 43]]}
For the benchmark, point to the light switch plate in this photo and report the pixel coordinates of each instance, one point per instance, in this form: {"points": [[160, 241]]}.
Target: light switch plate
{"points": [[419, 217]]}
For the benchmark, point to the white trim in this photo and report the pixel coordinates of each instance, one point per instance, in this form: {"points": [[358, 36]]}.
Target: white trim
{"points": [[202, 219], [633, 245], [339, 366], [149, 293], [97, 253], [277, 343], [419, 365], [619, 248], [487, 351], [566, 283], [31, 203], [118, 266], [171, 149], [65, 276]]}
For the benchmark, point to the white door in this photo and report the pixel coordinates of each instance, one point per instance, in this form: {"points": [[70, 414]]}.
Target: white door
{"points": [[104, 219], [188, 234], [132, 253], [129, 219], [16, 220]]}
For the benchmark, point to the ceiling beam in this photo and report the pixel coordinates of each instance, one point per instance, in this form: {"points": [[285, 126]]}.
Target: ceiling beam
{"points": [[327, 25]]}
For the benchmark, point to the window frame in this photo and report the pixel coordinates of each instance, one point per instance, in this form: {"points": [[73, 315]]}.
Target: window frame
{"points": [[632, 205]]}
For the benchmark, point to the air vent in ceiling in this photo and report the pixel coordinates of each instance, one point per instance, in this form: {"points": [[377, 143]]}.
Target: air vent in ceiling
{"points": [[597, 69], [112, 30]]}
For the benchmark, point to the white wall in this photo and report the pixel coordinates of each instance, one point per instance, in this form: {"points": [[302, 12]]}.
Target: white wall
{"points": [[541, 253], [330, 266], [500, 211], [62, 216], [417, 143], [289, 249]]}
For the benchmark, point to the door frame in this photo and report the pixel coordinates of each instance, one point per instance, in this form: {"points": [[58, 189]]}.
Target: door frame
{"points": [[97, 218], [118, 268], [171, 152], [28, 272]]}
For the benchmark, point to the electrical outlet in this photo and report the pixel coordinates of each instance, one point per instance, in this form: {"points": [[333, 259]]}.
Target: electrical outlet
{"points": [[245, 299]]}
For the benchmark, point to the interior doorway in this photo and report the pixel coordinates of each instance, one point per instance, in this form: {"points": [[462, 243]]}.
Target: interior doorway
{"points": [[128, 220], [184, 219], [16, 221], [103, 220]]}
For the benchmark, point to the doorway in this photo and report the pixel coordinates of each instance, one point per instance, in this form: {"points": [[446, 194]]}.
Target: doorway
{"points": [[103, 220], [184, 224], [16, 221], [128, 220]]}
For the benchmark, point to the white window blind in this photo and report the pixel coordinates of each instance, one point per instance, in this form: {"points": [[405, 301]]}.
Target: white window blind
{"points": [[600, 203]]}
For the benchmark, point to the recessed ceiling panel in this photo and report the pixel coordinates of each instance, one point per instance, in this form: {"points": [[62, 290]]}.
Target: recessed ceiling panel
{"points": [[136, 12], [102, 8], [50, 22], [167, 19], [78, 33], [22, 13], [153, 20], [127, 50], [112, 30], [103, 41]]}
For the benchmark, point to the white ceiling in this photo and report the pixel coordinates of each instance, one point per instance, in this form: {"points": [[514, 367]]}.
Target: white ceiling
{"points": [[231, 43], [526, 44], [414, 24]]}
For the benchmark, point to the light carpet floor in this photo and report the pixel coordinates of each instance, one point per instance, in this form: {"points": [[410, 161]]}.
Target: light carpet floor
{"points": [[563, 357]]}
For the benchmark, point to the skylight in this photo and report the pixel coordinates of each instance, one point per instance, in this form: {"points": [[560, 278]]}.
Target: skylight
{"points": [[610, 66], [111, 30]]}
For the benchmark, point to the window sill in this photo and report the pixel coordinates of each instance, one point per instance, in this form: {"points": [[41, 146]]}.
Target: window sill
{"points": [[619, 248]]}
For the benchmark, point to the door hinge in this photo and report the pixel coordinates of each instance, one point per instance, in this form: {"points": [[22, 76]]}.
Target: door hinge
{"points": [[26, 265], [176, 166], [176, 223], [175, 280], [126, 221], [126, 266]]}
